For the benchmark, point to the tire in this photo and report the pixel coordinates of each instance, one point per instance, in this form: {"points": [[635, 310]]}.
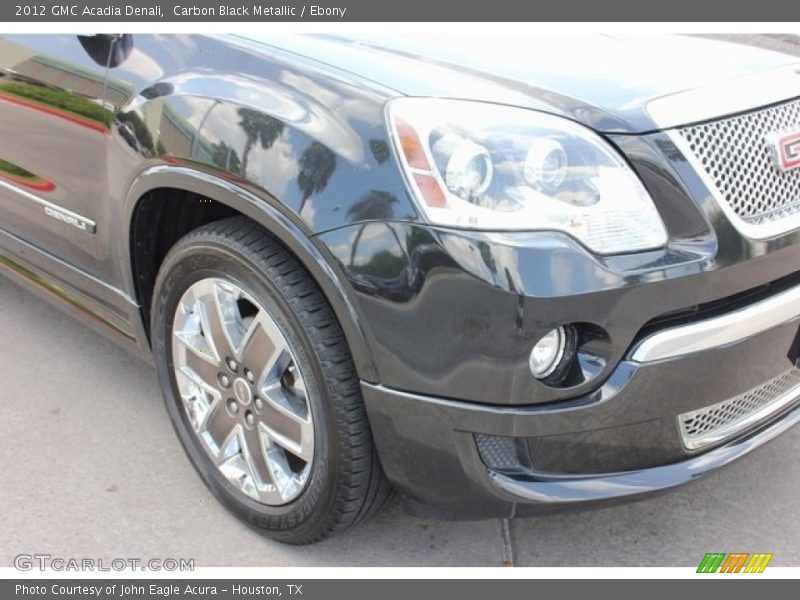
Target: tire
{"points": [[306, 466]]}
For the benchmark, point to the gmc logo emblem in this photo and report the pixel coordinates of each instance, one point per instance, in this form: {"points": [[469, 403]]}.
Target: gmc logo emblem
{"points": [[785, 150]]}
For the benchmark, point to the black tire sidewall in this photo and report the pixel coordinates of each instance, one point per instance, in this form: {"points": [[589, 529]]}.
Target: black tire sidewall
{"points": [[192, 262]]}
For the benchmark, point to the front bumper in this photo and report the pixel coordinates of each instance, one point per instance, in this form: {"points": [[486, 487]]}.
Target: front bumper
{"points": [[544, 488], [619, 442], [450, 317]]}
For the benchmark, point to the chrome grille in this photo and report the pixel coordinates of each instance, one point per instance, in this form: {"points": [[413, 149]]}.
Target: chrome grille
{"points": [[736, 157], [717, 422]]}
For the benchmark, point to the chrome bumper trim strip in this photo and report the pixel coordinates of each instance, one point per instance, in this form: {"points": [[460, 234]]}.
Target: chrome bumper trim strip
{"points": [[718, 331]]}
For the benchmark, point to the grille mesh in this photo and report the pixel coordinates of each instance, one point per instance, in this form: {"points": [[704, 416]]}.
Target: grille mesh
{"points": [[703, 427], [498, 452], [735, 154]]}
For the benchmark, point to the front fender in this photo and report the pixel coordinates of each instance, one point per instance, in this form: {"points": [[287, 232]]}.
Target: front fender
{"points": [[303, 134], [290, 143]]}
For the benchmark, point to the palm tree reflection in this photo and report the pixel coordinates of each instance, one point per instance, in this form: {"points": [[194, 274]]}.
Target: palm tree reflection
{"points": [[226, 158], [380, 150], [258, 127], [317, 165]]}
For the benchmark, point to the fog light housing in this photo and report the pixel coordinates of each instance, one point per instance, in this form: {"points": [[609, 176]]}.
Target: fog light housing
{"points": [[548, 352]]}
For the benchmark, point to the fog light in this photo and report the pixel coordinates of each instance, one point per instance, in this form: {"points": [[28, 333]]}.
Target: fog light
{"points": [[548, 352]]}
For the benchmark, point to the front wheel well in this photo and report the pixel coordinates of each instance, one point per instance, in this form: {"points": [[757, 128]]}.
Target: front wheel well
{"points": [[164, 214], [162, 217]]}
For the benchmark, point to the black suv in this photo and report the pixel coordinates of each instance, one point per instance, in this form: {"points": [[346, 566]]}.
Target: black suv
{"points": [[496, 275]]}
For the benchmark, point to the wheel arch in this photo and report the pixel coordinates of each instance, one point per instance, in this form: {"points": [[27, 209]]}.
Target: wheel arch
{"points": [[262, 209]]}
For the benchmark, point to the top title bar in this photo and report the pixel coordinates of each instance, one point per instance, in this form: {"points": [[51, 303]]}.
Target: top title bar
{"points": [[406, 11]]}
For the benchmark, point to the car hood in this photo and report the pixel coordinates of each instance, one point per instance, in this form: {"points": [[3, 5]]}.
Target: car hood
{"points": [[609, 83]]}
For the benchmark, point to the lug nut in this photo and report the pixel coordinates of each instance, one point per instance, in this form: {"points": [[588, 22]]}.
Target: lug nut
{"points": [[224, 381], [232, 364], [259, 403], [232, 406], [249, 375], [248, 416]]}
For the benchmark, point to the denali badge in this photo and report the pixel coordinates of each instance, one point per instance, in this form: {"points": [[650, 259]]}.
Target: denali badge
{"points": [[785, 149], [70, 219]]}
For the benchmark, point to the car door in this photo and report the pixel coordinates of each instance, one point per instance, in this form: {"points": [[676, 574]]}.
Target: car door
{"points": [[53, 129]]}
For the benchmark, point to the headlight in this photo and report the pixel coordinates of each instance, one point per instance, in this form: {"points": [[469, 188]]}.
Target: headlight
{"points": [[497, 168]]}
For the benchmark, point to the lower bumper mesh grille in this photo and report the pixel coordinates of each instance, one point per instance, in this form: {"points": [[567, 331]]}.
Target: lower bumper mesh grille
{"points": [[498, 452], [718, 422]]}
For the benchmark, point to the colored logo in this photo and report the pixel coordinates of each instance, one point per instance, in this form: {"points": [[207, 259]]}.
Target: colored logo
{"points": [[734, 562], [785, 150]]}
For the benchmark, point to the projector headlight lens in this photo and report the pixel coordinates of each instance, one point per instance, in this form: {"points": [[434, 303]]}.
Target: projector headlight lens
{"points": [[498, 168], [468, 167], [546, 164]]}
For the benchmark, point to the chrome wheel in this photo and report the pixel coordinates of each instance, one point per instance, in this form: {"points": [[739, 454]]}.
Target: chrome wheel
{"points": [[243, 391]]}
